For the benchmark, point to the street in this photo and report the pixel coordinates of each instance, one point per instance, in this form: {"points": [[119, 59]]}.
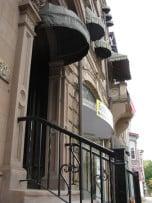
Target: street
{"points": [[148, 200]]}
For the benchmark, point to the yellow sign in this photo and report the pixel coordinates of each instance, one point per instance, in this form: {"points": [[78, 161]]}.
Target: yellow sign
{"points": [[103, 112]]}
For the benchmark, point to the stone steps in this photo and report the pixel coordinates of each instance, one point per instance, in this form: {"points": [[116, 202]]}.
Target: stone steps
{"points": [[43, 196]]}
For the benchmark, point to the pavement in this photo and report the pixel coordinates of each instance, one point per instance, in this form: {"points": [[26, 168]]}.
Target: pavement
{"points": [[148, 200]]}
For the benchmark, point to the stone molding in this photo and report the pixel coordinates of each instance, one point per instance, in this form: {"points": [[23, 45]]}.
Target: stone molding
{"points": [[39, 3], [28, 15]]}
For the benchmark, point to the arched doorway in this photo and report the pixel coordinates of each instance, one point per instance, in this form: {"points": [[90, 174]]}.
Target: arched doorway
{"points": [[56, 45]]}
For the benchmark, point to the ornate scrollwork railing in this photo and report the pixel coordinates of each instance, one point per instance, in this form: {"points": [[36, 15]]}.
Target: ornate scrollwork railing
{"points": [[58, 160]]}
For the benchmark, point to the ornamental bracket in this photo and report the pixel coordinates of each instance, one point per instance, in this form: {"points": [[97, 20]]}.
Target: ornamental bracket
{"points": [[39, 3]]}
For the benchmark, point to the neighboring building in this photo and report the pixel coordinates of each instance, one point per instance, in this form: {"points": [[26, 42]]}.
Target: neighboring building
{"points": [[136, 157], [59, 64]]}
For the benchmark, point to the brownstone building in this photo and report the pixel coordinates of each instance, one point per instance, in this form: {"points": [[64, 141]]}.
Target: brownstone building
{"points": [[61, 81]]}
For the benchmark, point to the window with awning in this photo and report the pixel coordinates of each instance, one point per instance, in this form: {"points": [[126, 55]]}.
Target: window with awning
{"points": [[61, 35], [102, 49], [120, 68], [95, 25]]}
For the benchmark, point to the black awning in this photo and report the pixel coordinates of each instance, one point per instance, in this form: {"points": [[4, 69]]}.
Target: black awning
{"points": [[108, 17], [102, 49], [109, 23], [63, 34], [106, 9], [95, 25], [120, 67]]}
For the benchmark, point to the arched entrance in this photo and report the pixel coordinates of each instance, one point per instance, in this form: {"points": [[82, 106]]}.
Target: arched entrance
{"points": [[57, 43]]}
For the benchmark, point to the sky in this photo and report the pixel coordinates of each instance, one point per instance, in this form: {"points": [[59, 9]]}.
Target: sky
{"points": [[133, 31]]}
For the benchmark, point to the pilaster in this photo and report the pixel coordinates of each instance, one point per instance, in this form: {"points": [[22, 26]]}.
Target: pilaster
{"points": [[14, 146]]}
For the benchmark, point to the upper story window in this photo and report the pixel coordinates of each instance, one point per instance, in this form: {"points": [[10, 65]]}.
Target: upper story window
{"points": [[88, 4], [71, 5], [97, 7], [103, 2], [132, 149], [132, 152], [88, 97], [87, 94]]}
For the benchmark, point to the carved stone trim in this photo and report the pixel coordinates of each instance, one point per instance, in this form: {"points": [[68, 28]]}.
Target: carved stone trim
{"points": [[39, 3], [4, 71], [28, 14]]}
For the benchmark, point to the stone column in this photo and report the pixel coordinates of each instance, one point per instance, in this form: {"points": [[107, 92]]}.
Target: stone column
{"points": [[14, 146]]}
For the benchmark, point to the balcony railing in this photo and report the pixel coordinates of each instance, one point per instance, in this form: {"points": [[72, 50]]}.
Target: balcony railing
{"points": [[62, 162]]}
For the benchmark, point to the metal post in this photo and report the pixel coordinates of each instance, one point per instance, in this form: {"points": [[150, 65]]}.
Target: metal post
{"points": [[80, 84], [137, 187], [80, 130], [120, 177]]}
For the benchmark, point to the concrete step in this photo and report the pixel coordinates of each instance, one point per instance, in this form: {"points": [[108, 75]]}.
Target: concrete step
{"points": [[43, 196]]}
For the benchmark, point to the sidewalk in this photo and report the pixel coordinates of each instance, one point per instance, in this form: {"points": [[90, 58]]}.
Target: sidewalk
{"points": [[148, 200]]}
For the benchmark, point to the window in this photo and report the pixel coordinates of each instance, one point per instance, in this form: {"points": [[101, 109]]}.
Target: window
{"points": [[132, 149], [71, 5], [132, 153], [87, 94], [88, 97], [88, 4], [97, 7]]}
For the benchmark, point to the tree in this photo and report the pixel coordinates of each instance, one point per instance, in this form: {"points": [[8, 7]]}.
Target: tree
{"points": [[148, 174]]}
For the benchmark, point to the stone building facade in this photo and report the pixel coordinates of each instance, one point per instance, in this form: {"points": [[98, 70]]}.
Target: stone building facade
{"points": [[136, 157], [57, 74]]}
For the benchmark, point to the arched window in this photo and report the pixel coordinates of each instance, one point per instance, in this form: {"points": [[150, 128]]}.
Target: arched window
{"points": [[87, 94], [88, 97]]}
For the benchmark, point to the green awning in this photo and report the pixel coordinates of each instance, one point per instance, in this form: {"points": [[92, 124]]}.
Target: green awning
{"points": [[120, 67], [95, 25], [103, 49], [117, 57], [62, 34], [106, 9], [109, 23], [108, 17]]}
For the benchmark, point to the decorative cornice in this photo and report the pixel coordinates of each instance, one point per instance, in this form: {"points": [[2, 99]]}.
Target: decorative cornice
{"points": [[29, 16]]}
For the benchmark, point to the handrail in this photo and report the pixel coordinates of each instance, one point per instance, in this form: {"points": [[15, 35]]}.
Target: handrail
{"points": [[74, 135], [57, 159]]}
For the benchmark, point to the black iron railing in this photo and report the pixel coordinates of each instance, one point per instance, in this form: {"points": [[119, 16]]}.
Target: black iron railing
{"points": [[133, 186], [62, 162]]}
